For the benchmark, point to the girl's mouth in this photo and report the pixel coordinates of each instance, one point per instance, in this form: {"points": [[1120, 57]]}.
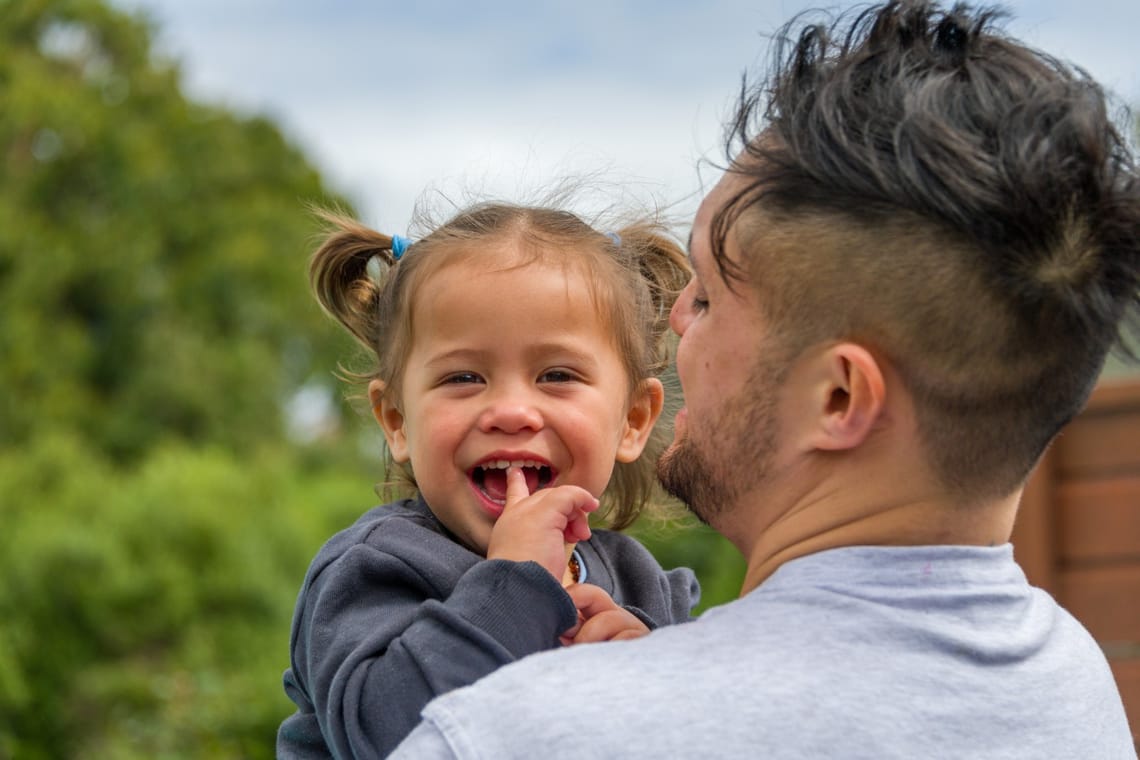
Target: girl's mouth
{"points": [[490, 478]]}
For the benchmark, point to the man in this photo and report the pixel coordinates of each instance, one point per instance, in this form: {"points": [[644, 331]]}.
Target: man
{"points": [[906, 283]]}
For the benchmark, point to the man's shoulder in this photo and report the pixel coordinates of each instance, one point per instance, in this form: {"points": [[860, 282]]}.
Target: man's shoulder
{"points": [[797, 693], [662, 655], [592, 700]]}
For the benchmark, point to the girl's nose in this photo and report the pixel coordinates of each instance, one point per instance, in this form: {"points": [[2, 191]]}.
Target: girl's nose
{"points": [[510, 414]]}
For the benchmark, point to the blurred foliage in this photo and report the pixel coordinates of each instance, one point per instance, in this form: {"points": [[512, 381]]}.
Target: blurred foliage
{"points": [[151, 249], [146, 614], [687, 543], [157, 521]]}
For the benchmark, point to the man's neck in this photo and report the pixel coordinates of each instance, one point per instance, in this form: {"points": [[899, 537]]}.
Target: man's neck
{"points": [[863, 509]]}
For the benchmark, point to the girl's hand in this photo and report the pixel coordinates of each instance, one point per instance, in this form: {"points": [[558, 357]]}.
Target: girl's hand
{"points": [[600, 618], [543, 526]]}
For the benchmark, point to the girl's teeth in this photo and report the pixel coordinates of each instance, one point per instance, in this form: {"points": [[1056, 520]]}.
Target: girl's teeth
{"points": [[502, 464]]}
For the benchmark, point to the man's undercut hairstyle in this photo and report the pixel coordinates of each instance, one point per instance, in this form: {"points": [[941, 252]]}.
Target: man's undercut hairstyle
{"points": [[963, 205]]}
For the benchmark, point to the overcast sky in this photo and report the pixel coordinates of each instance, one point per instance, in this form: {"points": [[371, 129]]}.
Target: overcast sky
{"points": [[389, 98]]}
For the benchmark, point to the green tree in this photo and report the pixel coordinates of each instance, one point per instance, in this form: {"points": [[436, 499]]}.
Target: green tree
{"points": [[151, 249], [155, 526], [145, 613]]}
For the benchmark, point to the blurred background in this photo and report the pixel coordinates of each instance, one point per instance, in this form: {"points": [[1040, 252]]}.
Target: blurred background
{"points": [[174, 447]]}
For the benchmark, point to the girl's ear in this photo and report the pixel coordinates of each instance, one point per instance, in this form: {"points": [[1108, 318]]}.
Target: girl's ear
{"points": [[391, 420], [644, 409], [849, 398]]}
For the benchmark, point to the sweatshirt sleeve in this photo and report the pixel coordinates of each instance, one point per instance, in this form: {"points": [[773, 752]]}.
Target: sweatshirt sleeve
{"points": [[635, 580], [376, 638]]}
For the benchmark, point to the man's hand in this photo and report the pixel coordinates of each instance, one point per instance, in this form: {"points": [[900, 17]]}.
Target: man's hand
{"points": [[543, 526], [600, 618]]}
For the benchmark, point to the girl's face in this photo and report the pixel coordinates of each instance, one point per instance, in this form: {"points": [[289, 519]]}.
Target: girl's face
{"points": [[510, 366]]}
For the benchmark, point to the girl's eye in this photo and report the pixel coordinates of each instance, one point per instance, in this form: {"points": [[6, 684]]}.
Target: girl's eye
{"points": [[459, 378], [557, 376], [700, 304]]}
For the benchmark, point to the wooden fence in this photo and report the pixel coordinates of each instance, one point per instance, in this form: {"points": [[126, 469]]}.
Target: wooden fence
{"points": [[1078, 530]]}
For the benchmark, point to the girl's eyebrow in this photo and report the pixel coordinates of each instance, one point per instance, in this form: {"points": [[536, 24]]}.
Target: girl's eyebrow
{"points": [[578, 354], [456, 354]]}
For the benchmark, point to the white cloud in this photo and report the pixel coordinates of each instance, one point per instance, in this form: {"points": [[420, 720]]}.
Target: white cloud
{"points": [[390, 98]]}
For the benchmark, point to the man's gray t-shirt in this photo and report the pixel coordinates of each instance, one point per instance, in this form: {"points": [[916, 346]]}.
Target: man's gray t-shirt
{"points": [[859, 652]]}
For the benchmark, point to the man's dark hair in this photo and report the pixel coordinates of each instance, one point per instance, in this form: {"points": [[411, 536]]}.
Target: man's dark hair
{"points": [[962, 204]]}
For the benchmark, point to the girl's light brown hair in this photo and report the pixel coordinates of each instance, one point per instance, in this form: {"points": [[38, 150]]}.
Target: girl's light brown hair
{"points": [[635, 274]]}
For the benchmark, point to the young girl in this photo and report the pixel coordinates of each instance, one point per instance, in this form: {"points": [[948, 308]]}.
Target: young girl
{"points": [[517, 352]]}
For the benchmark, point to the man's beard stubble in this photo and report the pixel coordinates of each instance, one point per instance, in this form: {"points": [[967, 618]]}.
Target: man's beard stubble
{"points": [[708, 475]]}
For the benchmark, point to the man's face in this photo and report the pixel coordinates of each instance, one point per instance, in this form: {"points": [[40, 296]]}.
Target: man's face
{"points": [[726, 436]]}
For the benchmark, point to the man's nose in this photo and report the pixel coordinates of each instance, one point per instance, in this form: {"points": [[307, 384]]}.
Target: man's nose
{"points": [[682, 312]]}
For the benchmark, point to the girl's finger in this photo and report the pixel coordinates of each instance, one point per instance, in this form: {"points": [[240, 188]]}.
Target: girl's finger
{"points": [[517, 489], [590, 600], [611, 625]]}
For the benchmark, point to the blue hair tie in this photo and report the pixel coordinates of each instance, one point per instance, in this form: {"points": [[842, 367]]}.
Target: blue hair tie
{"points": [[614, 237], [399, 245]]}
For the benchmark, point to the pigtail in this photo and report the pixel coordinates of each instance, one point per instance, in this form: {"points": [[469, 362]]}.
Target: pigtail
{"points": [[340, 274], [658, 263], [663, 265]]}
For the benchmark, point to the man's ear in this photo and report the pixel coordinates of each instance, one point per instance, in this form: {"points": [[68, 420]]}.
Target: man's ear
{"points": [[644, 409], [391, 420], [849, 394]]}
